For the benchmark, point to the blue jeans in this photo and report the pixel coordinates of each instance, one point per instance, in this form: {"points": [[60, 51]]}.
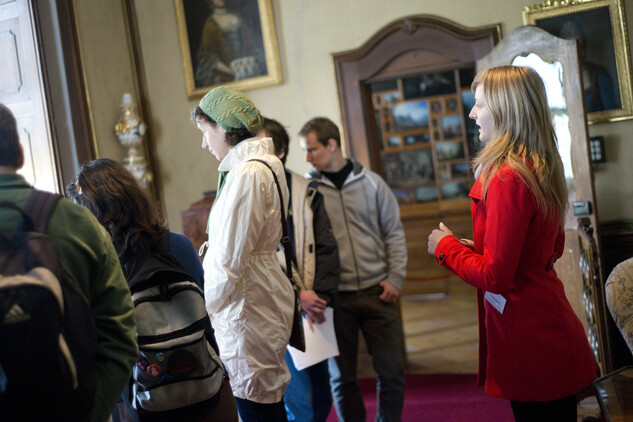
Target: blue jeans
{"points": [[381, 327], [307, 397]]}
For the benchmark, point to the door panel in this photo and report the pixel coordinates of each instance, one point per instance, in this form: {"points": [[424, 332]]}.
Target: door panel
{"points": [[21, 90], [579, 268]]}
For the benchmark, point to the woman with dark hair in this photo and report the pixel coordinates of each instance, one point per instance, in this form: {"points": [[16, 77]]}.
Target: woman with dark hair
{"points": [[119, 203], [249, 298]]}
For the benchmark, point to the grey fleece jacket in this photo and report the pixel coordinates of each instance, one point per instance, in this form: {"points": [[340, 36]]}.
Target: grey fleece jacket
{"points": [[365, 218]]}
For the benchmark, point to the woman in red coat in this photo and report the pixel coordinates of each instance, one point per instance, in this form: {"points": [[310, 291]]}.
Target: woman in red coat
{"points": [[533, 348]]}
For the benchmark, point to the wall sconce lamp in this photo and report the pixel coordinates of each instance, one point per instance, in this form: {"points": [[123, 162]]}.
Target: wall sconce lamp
{"points": [[130, 130]]}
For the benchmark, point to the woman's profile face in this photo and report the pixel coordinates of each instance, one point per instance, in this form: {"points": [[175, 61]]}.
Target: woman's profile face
{"points": [[213, 138], [481, 115]]}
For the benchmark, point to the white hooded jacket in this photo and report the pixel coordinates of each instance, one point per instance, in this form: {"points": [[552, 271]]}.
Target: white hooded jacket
{"points": [[248, 297]]}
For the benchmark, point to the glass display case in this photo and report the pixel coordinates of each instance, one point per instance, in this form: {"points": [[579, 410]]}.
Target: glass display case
{"points": [[426, 140]]}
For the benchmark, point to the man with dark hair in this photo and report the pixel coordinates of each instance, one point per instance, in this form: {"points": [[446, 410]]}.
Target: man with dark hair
{"points": [[307, 397], [366, 221], [10, 150], [85, 249]]}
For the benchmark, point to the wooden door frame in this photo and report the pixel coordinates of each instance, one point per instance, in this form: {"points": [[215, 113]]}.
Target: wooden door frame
{"points": [[84, 143], [401, 47]]}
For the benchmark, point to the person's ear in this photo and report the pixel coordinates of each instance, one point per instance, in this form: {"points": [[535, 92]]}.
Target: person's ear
{"points": [[281, 154], [332, 145], [20, 159]]}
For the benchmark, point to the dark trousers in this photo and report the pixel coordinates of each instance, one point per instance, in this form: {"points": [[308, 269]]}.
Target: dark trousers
{"points": [[561, 410], [380, 324], [261, 412]]}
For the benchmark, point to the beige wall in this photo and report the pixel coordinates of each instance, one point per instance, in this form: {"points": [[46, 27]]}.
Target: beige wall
{"points": [[107, 66], [308, 33]]}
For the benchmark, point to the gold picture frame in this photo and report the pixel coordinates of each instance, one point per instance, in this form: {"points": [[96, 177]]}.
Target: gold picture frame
{"points": [[600, 27], [234, 44]]}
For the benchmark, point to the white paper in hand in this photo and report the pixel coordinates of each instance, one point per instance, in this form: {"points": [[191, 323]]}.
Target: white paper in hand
{"points": [[320, 343]]}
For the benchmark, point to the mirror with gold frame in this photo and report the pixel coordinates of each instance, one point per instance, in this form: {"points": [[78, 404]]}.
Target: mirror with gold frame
{"points": [[600, 28]]}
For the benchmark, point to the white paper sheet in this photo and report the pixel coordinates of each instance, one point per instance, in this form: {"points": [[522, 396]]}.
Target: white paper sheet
{"points": [[320, 342]]}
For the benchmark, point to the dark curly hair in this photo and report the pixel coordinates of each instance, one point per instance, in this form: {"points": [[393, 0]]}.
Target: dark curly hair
{"points": [[113, 195]]}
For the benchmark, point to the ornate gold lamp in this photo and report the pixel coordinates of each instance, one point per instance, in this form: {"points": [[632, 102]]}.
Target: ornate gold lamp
{"points": [[130, 131]]}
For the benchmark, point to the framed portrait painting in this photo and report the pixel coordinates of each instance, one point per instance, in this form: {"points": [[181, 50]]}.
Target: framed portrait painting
{"points": [[227, 42], [599, 26]]}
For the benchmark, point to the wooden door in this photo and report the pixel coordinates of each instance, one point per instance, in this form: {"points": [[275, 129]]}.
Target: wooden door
{"points": [[579, 268], [22, 90]]}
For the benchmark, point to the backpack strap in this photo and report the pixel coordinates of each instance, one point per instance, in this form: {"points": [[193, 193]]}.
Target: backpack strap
{"points": [[39, 206]]}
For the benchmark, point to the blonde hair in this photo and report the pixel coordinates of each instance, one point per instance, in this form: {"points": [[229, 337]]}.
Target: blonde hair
{"points": [[523, 136]]}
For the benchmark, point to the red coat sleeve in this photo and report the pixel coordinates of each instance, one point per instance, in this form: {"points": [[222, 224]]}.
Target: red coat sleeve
{"points": [[500, 224]]}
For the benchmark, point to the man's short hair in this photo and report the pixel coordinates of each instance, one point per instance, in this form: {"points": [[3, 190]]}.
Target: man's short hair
{"points": [[323, 128], [275, 130], [9, 138]]}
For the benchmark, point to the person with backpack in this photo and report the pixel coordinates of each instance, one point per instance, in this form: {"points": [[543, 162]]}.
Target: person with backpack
{"points": [[178, 376], [84, 249], [249, 298]]}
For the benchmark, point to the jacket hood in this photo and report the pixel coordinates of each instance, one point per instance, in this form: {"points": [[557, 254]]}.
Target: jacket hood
{"points": [[248, 148]]}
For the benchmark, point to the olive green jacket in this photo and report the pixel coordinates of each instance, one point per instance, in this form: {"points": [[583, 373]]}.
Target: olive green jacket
{"points": [[85, 248]]}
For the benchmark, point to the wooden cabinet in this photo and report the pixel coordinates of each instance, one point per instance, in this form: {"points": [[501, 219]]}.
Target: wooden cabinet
{"points": [[194, 220]]}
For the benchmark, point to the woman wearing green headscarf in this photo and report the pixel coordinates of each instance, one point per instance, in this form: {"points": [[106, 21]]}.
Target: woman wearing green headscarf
{"points": [[249, 298]]}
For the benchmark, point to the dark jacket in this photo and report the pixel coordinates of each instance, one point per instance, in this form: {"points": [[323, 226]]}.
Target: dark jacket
{"points": [[315, 246]]}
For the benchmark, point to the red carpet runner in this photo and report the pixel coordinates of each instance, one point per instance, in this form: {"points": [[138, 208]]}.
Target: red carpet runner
{"points": [[440, 398]]}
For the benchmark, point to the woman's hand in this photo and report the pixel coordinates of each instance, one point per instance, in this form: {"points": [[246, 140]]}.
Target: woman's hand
{"points": [[437, 235]]}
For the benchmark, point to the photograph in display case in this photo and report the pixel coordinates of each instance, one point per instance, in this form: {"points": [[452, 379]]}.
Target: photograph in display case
{"points": [[449, 150], [452, 190], [408, 168], [452, 126], [410, 115], [426, 194], [422, 138]]}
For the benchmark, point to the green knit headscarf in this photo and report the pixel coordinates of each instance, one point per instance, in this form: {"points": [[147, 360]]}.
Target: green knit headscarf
{"points": [[231, 109]]}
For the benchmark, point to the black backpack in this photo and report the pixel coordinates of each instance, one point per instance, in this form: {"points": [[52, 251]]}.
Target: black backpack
{"points": [[179, 373], [48, 336]]}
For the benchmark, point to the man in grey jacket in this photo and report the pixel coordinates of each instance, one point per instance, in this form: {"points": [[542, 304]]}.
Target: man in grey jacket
{"points": [[366, 221]]}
